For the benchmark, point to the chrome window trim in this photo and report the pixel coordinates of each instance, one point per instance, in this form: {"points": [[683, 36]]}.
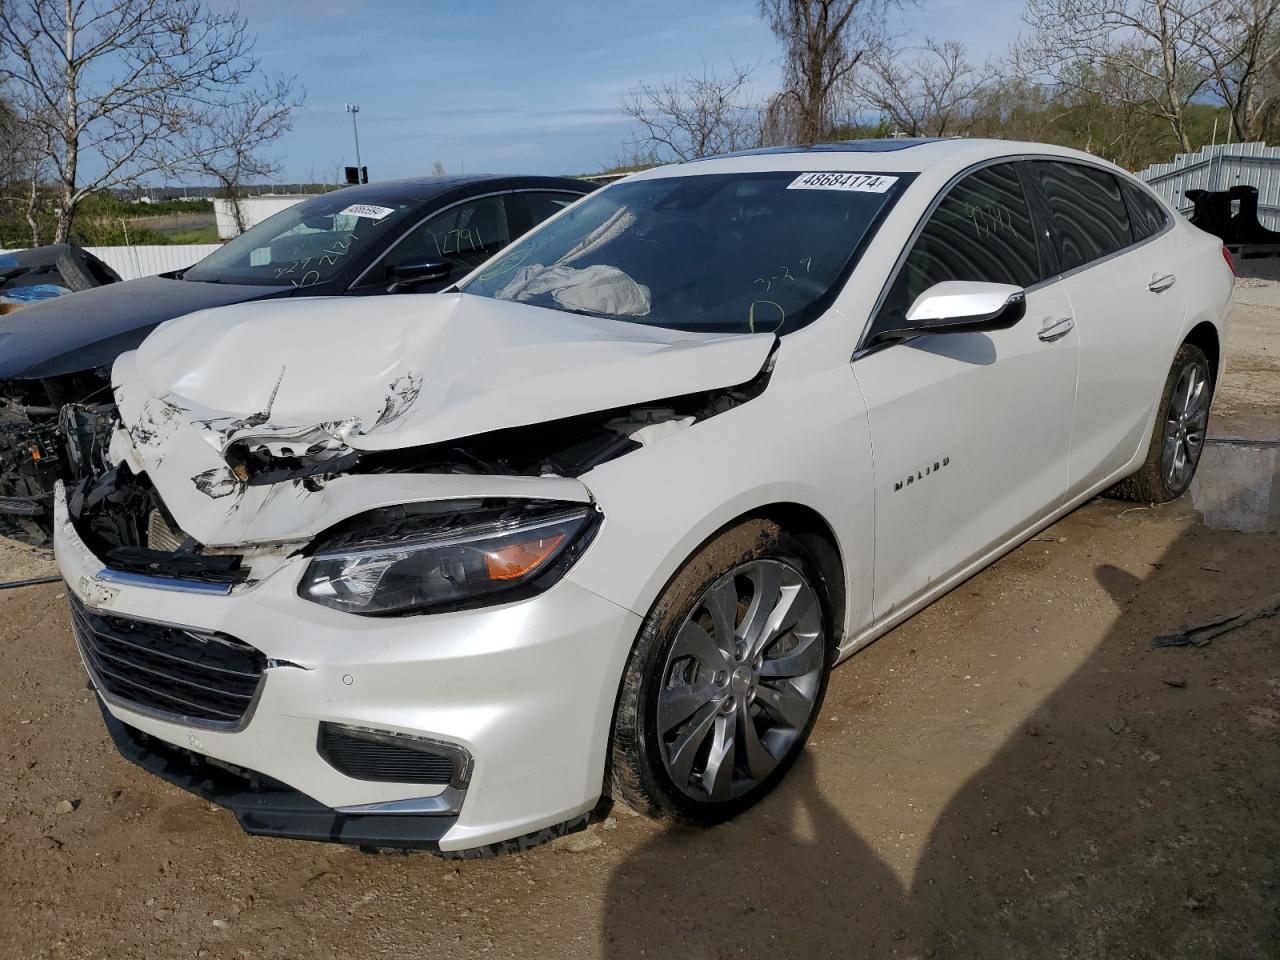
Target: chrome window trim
{"points": [[862, 350]]}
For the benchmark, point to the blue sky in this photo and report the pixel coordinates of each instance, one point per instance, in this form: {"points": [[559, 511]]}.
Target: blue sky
{"points": [[506, 86]]}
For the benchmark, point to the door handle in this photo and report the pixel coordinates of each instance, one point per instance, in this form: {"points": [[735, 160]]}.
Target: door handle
{"points": [[1052, 330], [1159, 284]]}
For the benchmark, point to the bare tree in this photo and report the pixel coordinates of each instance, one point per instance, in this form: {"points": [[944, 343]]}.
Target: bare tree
{"points": [[21, 168], [824, 41], [228, 145], [1240, 44], [698, 115], [1143, 53], [437, 168], [926, 91], [116, 87]]}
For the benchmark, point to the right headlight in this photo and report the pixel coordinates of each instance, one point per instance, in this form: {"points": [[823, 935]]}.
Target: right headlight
{"points": [[445, 555]]}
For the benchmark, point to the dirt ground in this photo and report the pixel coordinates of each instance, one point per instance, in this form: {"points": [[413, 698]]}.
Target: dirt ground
{"points": [[1016, 772]]}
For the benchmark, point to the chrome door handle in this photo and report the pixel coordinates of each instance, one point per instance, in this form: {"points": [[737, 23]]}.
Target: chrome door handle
{"points": [[1159, 284], [1052, 330]]}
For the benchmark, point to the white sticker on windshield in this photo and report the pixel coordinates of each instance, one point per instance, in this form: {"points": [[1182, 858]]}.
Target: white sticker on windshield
{"points": [[860, 182], [367, 210]]}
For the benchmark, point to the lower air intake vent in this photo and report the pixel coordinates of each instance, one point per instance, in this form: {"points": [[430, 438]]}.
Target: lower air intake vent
{"points": [[385, 757], [183, 675]]}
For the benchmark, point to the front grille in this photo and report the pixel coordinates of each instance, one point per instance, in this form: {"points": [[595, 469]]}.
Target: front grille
{"points": [[208, 678], [384, 757]]}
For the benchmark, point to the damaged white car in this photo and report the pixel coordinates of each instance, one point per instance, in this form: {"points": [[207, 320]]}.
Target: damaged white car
{"points": [[444, 572]]}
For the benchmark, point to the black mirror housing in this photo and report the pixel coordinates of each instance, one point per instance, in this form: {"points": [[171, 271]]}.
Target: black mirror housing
{"points": [[405, 276]]}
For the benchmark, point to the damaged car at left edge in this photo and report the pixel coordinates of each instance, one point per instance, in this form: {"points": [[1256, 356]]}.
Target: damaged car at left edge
{"points": [[397, 237]]}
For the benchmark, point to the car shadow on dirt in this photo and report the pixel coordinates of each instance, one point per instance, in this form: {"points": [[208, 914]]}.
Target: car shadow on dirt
{"points": [[1132, 815]]}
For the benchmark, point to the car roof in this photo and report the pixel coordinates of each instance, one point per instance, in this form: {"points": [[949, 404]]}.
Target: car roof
{"points": [[426, 188], [944, 155]]}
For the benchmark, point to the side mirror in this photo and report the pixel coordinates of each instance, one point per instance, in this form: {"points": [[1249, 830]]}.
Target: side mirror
{"points": [[406, 276], [960, 306]]}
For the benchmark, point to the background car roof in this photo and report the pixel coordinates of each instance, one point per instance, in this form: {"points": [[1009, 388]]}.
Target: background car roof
{"points": [[426, 188]]}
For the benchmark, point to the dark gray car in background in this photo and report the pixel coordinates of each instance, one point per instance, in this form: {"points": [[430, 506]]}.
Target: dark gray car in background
{"points": [[403, 236]]}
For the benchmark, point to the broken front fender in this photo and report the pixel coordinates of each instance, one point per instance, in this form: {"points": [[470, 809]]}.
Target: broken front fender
{"points": [[220, 509]]}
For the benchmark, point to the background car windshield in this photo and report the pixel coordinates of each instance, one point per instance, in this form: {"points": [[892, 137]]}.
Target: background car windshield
{"points": [[741, 253], [309, 243]]}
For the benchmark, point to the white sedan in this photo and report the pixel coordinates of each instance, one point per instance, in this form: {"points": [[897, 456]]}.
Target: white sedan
{"points": [[446, 572]]}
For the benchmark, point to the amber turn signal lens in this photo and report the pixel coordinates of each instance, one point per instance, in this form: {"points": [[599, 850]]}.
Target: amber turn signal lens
{"points": [[515, 560]]}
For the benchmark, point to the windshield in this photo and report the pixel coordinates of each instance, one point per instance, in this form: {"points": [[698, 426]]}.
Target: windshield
{"points": [[738, 253], [309, 243]]}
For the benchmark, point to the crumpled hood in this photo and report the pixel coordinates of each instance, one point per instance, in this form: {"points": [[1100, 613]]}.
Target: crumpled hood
{"points": [[397, 372], [376, 374]]}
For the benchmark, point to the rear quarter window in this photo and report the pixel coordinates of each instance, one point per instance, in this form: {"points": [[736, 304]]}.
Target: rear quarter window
{"points": [[1146, 216], [1088, 218]]}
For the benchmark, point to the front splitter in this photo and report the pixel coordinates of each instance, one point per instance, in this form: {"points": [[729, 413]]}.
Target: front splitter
{"points": [[268, 808]]}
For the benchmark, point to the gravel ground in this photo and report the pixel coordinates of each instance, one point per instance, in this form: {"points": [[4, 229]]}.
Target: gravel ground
{"points": [[1015, 772]]}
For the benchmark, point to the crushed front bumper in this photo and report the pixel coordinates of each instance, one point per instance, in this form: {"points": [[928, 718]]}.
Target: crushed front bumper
{"points": [[526, 689]]}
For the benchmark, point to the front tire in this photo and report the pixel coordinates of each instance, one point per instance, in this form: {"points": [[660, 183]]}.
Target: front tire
{"points": [[726, 678], [1177, 438]]}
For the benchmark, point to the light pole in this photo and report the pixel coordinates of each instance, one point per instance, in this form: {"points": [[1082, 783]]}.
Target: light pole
{"points": [[353, 109]]}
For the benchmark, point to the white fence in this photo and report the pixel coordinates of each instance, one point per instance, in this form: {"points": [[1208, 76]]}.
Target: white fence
{"points": [[253, 210], [146, 261]]}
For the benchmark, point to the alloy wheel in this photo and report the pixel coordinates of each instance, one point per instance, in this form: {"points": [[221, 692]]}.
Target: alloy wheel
{"points": [[1184, 428], [741, 680]]}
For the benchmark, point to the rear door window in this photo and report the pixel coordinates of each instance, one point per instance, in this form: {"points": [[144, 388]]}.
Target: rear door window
{"points": [[529, 208], [1087, 214], [982, 230], [1146, 216], [546, 204], [465, 234]]}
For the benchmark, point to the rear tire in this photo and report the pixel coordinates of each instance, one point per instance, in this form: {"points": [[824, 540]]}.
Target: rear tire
{"points": [[726, 678], [1177, 437]]}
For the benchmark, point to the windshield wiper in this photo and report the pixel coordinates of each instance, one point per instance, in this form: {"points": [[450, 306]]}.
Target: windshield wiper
{"points": [[585, 313]]}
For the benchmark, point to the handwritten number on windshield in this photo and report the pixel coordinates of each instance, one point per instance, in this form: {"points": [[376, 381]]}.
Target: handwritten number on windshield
{"points": [[784, 275]]}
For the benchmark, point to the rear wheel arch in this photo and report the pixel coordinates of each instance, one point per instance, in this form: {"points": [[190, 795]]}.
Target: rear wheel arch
{"points": [[1205, 336]]}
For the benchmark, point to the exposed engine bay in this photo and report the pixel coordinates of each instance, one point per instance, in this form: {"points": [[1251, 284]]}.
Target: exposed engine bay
{"points": [[123, 520], [568, 447], [52, 429]]}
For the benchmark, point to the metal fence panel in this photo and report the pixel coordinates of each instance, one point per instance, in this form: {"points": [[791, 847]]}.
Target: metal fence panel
{"points": [[1221, 167]]}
